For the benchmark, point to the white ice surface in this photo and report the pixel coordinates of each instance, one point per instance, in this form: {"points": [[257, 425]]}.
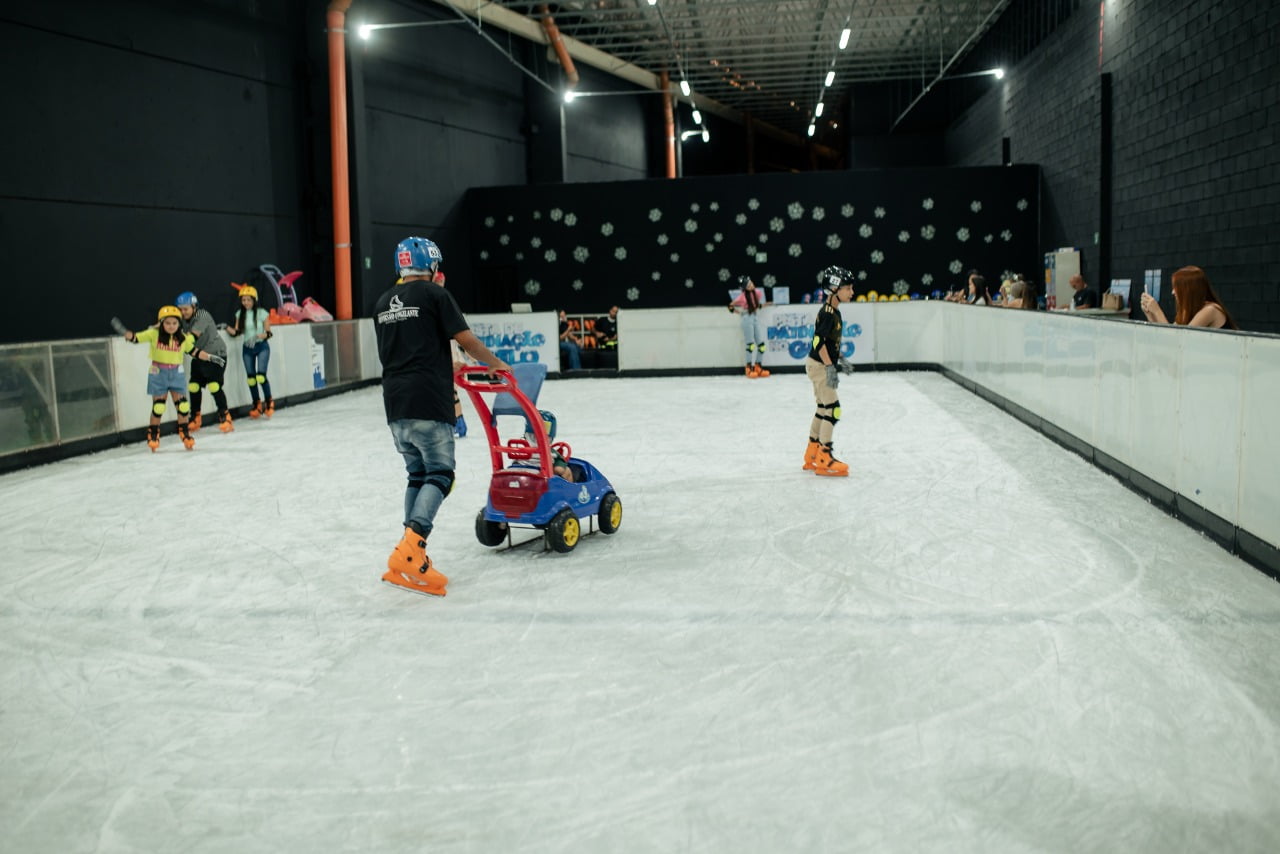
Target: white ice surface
{"points": [[951, 650]]}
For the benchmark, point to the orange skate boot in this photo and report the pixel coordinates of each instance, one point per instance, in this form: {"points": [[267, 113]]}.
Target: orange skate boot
{"points": [[225, 424], [811, 456], [194, 424], [827, 465], [188, 441], [256, 410], [410, 568], [750, 372], [271, 407], [153, 438], [761, 372]]}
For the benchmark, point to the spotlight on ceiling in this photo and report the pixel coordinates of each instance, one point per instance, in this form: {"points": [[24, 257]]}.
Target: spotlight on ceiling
{"points": [[364, 31], [999, 73]]}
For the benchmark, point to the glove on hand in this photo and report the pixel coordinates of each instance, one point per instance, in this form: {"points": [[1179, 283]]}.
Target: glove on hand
{"points": [[833, 376], [217, 360], [846, 366]]}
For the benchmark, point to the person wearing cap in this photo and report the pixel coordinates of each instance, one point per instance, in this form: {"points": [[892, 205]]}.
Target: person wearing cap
{"points": [[747, 305], [200, 325], [414, 321], [254, 324], [822, 368]]}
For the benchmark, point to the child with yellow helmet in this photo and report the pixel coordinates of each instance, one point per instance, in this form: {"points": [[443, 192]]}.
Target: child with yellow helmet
{"points": [[254, 324], [165, 377]]}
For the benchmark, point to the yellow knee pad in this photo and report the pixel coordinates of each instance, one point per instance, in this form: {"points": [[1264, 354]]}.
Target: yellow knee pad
{"points": [[157, 407], [261, 378], [252, 381], [184, 407], [214, 388], [193, 386]]}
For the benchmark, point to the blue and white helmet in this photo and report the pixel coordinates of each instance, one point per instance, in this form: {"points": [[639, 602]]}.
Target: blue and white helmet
{"points": [[834, 277], [417, 256], [186, 298]]}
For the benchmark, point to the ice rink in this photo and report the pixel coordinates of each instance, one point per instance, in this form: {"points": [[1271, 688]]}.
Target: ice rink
{"points": [[977, 642]]}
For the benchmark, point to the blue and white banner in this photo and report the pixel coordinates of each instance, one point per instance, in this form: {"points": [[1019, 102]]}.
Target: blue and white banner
{"points": [[789, 333], [517, 338]]}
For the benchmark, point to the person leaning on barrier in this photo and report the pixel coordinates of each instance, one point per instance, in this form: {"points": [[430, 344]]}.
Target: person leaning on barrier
{"points": [[606, 329], [1198, 304]]}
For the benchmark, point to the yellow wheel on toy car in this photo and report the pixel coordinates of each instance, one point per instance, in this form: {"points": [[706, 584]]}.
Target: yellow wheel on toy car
{"points": [[564, 531], [610, 513]]}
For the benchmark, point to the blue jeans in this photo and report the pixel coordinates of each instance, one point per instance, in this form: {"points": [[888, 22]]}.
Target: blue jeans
{"points": [[569, 350], [256, 359], [753, 335], [427, 448]]}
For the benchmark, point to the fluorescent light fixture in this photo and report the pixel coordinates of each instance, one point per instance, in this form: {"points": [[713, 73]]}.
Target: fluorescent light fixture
{"points": [[364, 31], [831, 77], [697, 117], [653, 2], [684, 88], [818, 111], [569, 95], [706, 135], [810, 130], [844, 38], [999, 73]]}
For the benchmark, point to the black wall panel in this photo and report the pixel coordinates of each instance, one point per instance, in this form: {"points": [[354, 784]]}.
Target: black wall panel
{"points": [[664, 243]]}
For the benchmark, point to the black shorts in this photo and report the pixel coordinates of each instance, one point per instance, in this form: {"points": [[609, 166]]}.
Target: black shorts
{"points": [[203, 373]]}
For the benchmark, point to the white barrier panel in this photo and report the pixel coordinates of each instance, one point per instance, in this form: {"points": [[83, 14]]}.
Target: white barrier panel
{"points": [[704, 337], [1260, 440], [516, 338]]}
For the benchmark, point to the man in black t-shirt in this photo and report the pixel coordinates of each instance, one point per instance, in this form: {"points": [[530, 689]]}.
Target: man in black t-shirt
{"points": [[822, 368], [606, 329], [1084, 296], [414, 321]]}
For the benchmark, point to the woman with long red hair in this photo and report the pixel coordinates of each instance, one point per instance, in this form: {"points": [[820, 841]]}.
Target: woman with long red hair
{"points": [[1197, 302]]}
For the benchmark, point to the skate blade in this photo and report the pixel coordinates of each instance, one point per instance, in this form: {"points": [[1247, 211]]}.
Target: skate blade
{"points": [[421, 591]]}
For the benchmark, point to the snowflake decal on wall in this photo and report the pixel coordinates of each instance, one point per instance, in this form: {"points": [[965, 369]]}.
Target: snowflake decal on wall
{"points": [[606, 228], [770, 280], [926, 279], [723, 274], [556, 214], [695, 207], [927, 232], [751, 252], [519, 256], [864, 230], [718, 237], [877, 257], [975, 205], [581, 254], [1006, 235], [819, 214], [504, 239], [927, 204], [834, 241], [862, 275], [577, 284], [691, 225], [900, 287], [955, 266], [715, 206], [904, 236], [633, 294], [1022, 204], [550, 256], [795, 210], [776, 224], [688, 283], [655, 214], [620, 253], [655, 275], [663, 239], [537, 214], [484, 254], [987, 238], [754, 204], [879, 213], [762, 237], [710, 247], [511, 217], [570, 219], [962, 235], [740, 219], [531, 287], [535, 242], [794, 250], [846, 211], [675, 257], [488, 222]]}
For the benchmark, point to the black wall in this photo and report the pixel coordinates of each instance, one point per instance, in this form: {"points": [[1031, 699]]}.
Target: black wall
{"points": [[668, 243], [1196, 169]]}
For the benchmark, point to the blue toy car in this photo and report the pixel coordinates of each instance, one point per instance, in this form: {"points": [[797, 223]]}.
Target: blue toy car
{"points": [[525, 490]]}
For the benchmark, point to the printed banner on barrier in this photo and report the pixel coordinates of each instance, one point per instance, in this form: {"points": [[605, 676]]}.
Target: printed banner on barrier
{"points": [[789, 333], [516, 338]]}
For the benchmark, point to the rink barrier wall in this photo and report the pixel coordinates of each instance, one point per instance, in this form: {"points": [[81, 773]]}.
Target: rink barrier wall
{"points": [[1189, 418], [63, 398]]}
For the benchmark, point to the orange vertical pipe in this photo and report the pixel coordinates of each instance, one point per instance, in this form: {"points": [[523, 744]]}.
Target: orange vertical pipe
{"points": [[669, 118], [557, 44], [335, 20]]}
